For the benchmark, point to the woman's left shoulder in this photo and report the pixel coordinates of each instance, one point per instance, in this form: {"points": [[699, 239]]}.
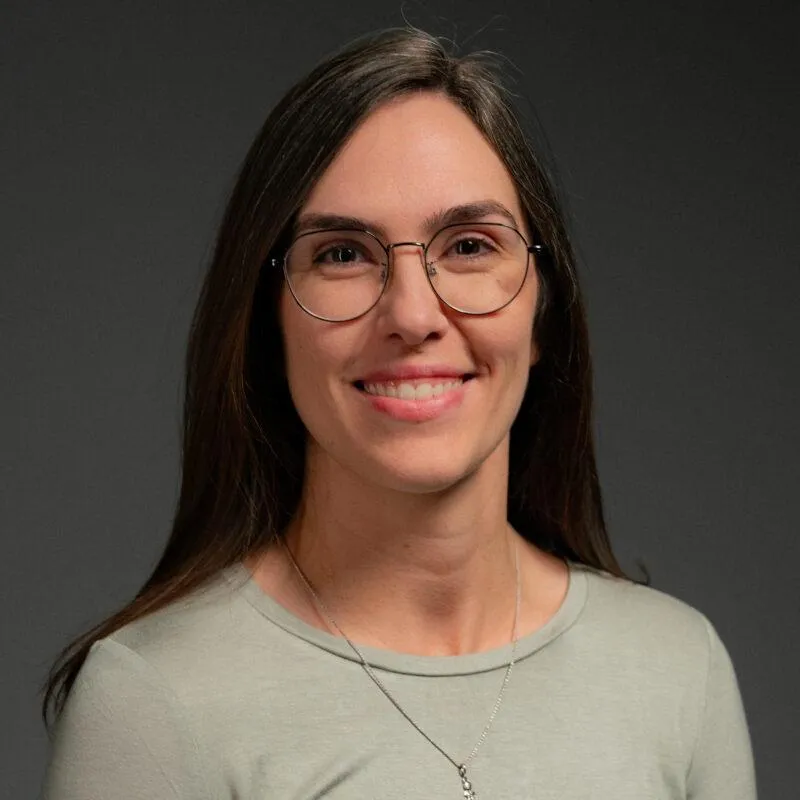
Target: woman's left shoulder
{"points": [[638, 618], [666, 667]]}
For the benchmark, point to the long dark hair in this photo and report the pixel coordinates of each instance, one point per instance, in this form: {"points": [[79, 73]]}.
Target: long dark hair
{"points": [[243, 442]]}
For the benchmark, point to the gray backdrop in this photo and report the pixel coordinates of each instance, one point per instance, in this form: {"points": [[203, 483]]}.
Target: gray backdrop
{"points": [[674, 125]]}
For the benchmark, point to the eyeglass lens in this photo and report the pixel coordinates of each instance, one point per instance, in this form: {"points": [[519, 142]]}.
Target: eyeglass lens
{"points": [[338, 275]]}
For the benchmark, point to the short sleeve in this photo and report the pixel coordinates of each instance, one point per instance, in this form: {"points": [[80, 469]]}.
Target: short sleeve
{"points": [[722, 763], [122, 735]]}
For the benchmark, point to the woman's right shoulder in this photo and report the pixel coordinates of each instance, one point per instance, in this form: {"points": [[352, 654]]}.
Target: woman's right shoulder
{"points": [[177, 640], [132, 723], [123, 733]]}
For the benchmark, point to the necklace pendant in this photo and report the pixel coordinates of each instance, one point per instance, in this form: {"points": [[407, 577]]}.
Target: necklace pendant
{"points": [[469, 793]]}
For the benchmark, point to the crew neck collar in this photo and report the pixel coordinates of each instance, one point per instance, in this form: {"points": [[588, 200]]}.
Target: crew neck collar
{"points": [[391, 661]]}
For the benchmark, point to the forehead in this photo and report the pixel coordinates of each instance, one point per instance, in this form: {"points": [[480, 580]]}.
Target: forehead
{"points": [[410, 159]]}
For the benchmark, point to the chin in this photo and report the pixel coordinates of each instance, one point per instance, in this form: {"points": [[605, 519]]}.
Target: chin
{"points": [[422, 484], [417, 476]]}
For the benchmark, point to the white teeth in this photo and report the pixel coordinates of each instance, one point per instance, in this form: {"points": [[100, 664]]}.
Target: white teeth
{"points": [[411, 391], [424, 390]]}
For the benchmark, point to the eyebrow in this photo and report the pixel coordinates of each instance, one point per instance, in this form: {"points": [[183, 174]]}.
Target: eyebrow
{"points": [[467, 212]]}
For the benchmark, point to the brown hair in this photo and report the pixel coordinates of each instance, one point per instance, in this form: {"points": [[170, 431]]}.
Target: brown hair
{"points": [[243, 442]]}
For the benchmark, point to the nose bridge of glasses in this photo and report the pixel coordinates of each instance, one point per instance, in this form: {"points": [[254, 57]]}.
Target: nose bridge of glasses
{"points": [[419, 246], [419, 249]]}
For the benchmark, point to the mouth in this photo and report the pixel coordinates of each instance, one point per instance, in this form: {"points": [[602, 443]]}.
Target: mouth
{"points": [[414, 389]]}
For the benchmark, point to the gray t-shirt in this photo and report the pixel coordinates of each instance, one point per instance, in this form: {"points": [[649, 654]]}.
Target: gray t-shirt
{"points": [[626, 693]]}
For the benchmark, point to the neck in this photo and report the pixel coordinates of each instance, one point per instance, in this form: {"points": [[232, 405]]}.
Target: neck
{"points": [[431, 574]]}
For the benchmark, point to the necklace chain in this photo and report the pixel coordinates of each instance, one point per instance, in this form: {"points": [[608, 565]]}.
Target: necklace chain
{"points": [[469, 793]]}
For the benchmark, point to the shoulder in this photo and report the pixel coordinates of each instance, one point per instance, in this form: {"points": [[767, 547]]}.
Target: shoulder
{"points": [[187, 644], [150, 698], [663, 655], [123, 732], [629, 605], [647, 627], [669, 658]]}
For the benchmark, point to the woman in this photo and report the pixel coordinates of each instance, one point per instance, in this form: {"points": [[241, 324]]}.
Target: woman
{"points": [[389, 574]]}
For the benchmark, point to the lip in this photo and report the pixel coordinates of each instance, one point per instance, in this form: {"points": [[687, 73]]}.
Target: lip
{"points": [[416, 410], [412, 372]]}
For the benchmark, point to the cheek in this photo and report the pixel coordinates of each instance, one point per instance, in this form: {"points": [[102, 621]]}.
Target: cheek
{"points": [[531, 293], [515, 364], [511, 339], [316, 356], [302, 359]]}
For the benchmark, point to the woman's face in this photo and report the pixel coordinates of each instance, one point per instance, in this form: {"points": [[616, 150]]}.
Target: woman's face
{"points": [[410, 162]]}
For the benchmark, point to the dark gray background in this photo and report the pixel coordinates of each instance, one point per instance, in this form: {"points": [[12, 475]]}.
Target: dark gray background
{"points": [[674, 125]]}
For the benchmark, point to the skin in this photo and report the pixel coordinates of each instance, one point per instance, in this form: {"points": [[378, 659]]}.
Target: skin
{"points": [[403, 527]]}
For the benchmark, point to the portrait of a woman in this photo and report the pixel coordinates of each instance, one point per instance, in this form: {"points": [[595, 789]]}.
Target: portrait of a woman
{"points": [[389, 573]]}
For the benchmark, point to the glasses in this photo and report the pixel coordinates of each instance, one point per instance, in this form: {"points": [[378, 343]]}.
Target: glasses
{"points": [[339, 275]]}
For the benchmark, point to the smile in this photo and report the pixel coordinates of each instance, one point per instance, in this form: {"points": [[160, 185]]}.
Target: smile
{"points": [[412, 389], [417, 399]]}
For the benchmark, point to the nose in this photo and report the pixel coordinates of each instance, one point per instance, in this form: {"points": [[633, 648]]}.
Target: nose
{"points": [[409, 308]]}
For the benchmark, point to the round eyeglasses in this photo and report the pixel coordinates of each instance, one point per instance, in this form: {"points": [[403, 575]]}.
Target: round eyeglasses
{"points": [[339, 275]]}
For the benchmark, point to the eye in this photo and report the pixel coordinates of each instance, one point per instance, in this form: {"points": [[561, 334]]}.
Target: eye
{"points": [[341, 254], [470, 246]]}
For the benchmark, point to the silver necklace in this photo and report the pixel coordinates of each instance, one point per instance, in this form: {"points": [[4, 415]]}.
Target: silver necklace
{"points": [[466, 784]]}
